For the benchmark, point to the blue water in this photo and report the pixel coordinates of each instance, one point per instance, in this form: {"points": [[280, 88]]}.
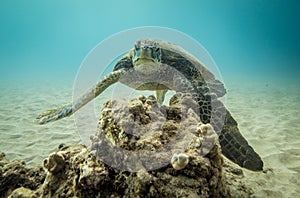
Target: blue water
{"points": [[46, 40]]}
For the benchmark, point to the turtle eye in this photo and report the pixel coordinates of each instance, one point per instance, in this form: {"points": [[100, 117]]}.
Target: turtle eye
{"points": [[156, 50], [136, 47]]}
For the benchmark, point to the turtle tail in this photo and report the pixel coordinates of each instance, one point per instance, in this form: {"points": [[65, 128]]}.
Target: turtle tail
{"points": [[236, 148]]}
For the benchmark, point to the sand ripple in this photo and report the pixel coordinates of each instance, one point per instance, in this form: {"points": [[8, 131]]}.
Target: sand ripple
{"points": [[268, 116], [20, 137]]}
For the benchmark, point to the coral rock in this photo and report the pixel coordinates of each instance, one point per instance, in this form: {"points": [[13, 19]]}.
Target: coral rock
{"points": [[54, 163], [15, 174], [139, 150]]}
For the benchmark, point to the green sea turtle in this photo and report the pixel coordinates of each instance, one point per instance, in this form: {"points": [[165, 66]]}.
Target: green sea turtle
{"points": [[153, 59]]}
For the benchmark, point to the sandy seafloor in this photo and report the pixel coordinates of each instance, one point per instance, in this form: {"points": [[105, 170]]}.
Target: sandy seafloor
{"points": [[267, 113]]}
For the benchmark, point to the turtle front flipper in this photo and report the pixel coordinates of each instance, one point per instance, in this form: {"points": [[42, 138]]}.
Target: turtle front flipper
{"points": [[54, 114], [69, 109], [233, 145], [236, 148]]}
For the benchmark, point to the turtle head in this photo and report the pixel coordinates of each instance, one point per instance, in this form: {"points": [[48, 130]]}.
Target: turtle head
{"points": [[146, 52]]}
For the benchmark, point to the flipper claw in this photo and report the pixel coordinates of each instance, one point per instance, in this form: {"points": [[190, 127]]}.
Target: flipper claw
{"points": [[54, 114]]}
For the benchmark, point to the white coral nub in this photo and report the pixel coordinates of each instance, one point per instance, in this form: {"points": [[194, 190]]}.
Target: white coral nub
{"points": [[179, 161], [206, 129]]}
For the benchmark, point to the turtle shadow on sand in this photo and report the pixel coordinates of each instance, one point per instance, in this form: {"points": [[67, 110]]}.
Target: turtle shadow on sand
{"points": [[176, 169]]}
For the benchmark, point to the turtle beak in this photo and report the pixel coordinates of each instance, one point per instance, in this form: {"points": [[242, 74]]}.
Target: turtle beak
{"points": [[144, 52], [142, 55]]}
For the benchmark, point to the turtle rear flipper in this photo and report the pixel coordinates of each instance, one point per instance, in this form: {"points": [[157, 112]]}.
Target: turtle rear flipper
{"points": [[236, 148]]}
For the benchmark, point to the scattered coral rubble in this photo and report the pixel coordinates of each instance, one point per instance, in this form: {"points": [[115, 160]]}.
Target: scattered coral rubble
{"points": [[140, 149]]}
